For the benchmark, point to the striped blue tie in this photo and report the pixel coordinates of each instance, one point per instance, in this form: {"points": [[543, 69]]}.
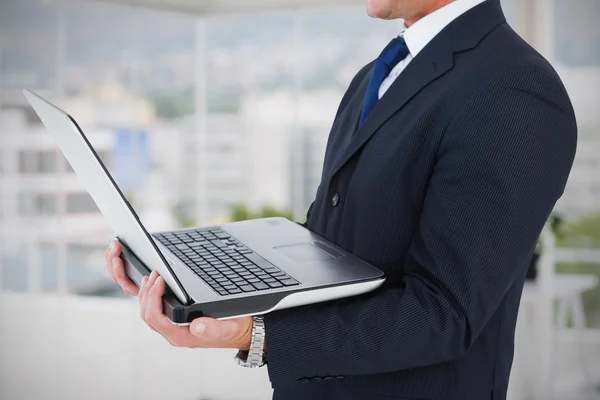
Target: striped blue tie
{"points": [[394, 52]]}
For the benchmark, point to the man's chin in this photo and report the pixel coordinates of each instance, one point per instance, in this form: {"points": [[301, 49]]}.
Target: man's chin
{"points": [[379, 13]]}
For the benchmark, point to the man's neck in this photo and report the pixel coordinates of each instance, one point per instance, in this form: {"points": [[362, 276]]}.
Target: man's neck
{"points": [[434, 7]]}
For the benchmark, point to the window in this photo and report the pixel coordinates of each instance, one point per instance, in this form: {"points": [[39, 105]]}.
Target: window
{"points": [[37, 162], [26, 162], [80, 203], [37, 204]]}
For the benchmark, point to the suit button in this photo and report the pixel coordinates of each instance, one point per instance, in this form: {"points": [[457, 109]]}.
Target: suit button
{"points": [[327, 378], [339, 377], [303, 380], [315, 379], [335, 200]]}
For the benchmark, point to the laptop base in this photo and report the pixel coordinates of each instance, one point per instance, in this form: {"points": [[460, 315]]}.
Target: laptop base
{"points": [[184, 314]]}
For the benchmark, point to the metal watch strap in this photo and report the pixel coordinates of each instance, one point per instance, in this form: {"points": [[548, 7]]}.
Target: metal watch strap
{"points": [[255, 356]]}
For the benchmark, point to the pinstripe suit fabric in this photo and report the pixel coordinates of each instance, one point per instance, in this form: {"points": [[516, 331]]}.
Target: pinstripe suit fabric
{"points": [[446, 188]]}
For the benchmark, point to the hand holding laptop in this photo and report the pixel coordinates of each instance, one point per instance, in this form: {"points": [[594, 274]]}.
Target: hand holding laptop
{"points": [[228, 271], [202, 332]]}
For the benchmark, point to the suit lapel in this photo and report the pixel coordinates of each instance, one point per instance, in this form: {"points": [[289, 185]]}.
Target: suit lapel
{"points": [[430, 64], [433, 61]]}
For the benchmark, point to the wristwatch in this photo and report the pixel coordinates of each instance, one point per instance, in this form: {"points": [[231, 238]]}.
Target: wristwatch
{"points": [[255, 357]]}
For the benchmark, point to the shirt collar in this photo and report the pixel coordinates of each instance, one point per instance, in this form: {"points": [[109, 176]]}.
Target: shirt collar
{"points": [[424, 30]]}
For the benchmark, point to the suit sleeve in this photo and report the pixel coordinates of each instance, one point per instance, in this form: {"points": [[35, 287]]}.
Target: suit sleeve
{"points": [[502, 163]]}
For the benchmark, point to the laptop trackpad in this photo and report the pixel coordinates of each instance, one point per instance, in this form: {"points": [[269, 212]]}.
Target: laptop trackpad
{"points": [[308, 252]]}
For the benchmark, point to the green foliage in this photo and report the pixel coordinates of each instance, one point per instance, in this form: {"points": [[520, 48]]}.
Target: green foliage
{"points": [[591, 298], [177, 105], [583, 232], [240, 212], [269, 212], [174, 105], [556, 223]]}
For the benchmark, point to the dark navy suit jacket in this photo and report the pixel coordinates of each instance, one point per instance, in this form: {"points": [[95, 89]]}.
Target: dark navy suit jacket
{"points": [[446, 188]]}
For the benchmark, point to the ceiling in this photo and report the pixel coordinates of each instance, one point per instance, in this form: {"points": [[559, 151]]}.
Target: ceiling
{"points": [[206, 7]]}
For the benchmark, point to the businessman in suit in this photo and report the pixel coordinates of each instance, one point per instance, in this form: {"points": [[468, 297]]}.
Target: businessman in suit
{"points": [[446, 157]]}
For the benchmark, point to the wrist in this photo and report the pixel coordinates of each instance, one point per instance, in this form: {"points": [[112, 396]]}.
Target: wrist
{"points": [[254, 356], [243, 344]]}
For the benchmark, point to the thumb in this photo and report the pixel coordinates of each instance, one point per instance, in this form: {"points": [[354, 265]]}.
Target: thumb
{"points": [[213, 330]]}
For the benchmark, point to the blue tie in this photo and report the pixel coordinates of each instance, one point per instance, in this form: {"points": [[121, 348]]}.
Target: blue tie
{"points": [[394, 52]]}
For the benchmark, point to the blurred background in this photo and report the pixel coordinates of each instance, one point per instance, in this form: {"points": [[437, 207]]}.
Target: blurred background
{"points": [[213, 111]]}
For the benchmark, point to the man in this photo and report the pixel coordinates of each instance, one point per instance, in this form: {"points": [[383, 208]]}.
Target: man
{"points": [[445, 159]]}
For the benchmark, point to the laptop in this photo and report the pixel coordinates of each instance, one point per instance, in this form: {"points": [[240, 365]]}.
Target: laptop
{"points": [[231, 270]]}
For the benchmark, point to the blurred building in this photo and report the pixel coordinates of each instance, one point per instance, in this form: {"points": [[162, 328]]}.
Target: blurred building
{"points": [[288, 134], [44, 210], [206, 170]]}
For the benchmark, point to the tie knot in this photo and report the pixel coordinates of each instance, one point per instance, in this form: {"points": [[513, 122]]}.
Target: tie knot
{"points": [[394, 52]]}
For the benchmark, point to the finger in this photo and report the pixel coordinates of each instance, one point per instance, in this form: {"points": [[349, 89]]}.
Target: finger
{"points": [[154, 307], [119, 271], [142, 285], [143, 296], [176, 335], [130, 288], [220, 332], [109, 254]]}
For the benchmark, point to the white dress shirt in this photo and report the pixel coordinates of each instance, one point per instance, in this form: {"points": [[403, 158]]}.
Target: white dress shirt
{"points": [[423, 31]]}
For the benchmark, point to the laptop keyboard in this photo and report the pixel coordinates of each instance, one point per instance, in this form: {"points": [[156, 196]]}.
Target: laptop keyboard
{"points": [[224, 263]]}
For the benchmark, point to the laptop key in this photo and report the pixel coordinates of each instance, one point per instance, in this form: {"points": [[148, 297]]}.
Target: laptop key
{"points": [[198, 244], [222, 235], [234, 291], [219, 243], [260, 286], [274, 284], [247, 288], [289, 282], [271, 270]]}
